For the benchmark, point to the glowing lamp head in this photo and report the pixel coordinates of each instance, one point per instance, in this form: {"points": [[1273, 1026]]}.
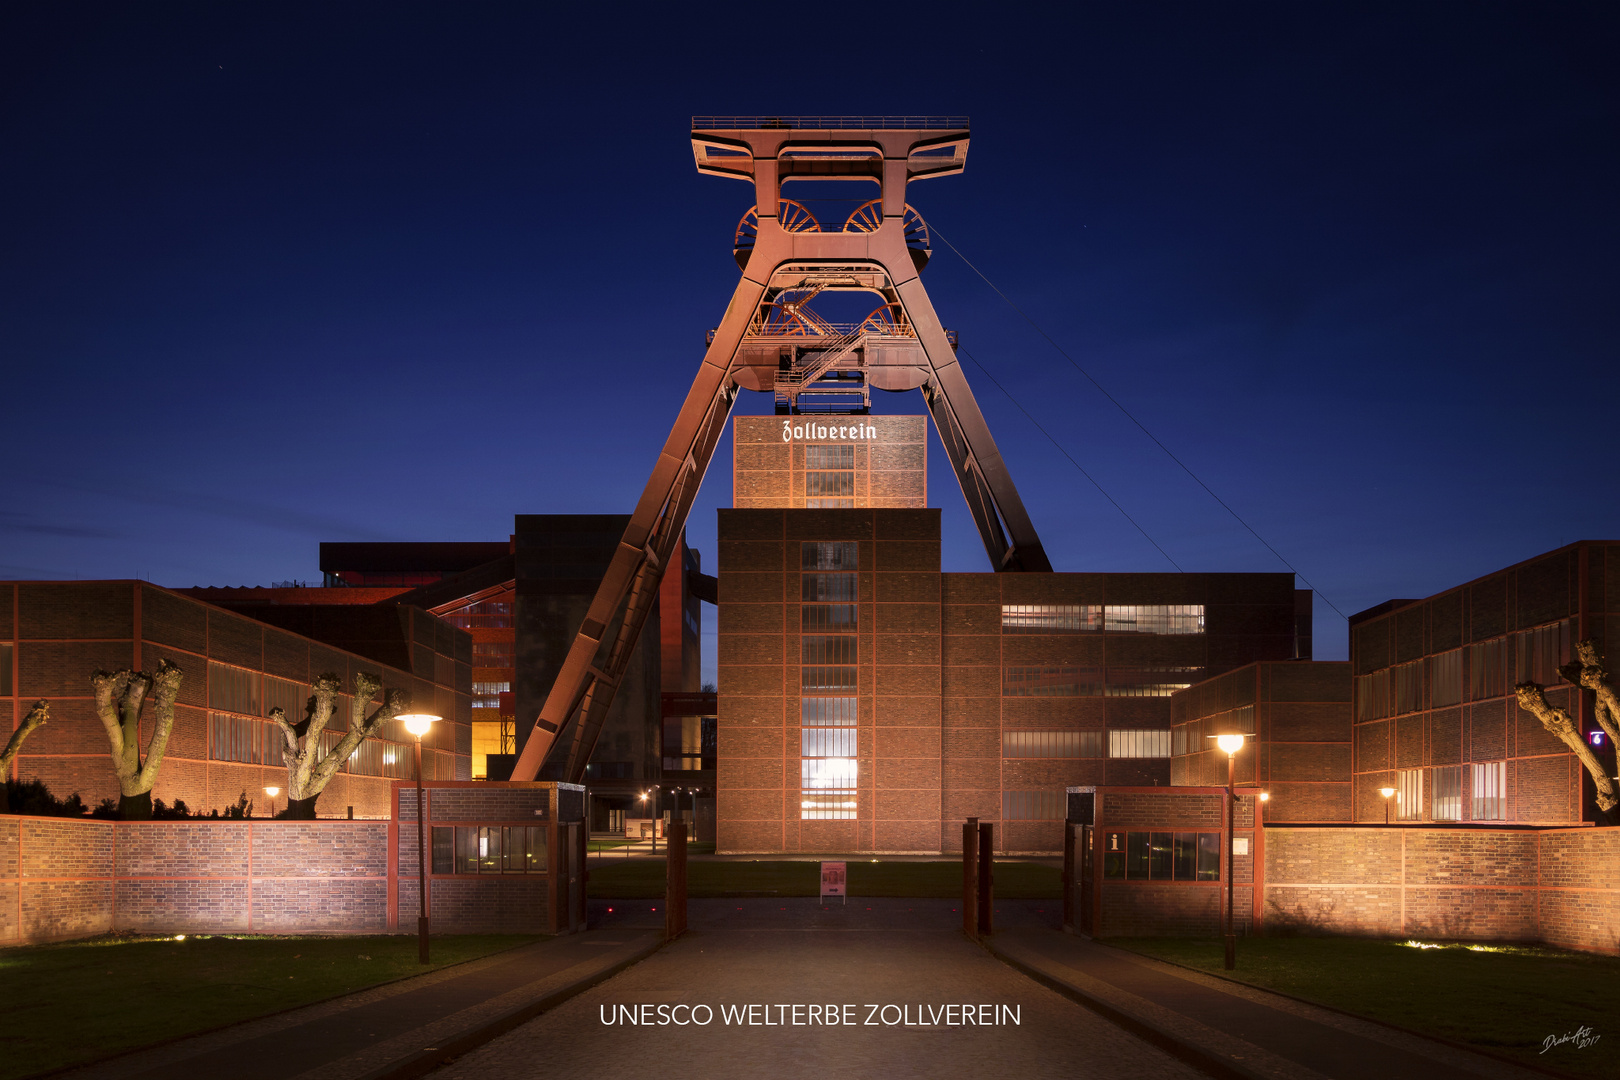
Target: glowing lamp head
{"points": [[418, 723], [1265, 796], [272, 791], [1231, 742], [1387, 792]]}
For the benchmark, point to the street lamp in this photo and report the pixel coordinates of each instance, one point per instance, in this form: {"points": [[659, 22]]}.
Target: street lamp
{"points": [[1231, 742], [272, 791], [1388, 793], [419, 724]]}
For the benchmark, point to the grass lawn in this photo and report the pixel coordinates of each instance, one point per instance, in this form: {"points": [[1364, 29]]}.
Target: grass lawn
{"points": [[1506, 999], [87, 999], [639, 879]]}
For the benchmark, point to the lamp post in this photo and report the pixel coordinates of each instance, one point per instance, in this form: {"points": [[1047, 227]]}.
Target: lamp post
{"points": [[1388, 793], [1231, 743], [272, 791], [419, 724]]}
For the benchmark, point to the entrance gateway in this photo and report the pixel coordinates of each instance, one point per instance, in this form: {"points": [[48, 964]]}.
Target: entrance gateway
{"points": [[772, 341]]}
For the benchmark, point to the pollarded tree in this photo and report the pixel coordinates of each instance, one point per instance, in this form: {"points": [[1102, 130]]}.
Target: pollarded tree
{"points": [[120, 696], [308, 769], [1589, 673], [39, 714]]}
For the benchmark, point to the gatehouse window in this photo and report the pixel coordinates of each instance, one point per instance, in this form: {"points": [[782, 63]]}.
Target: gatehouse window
{"points": [[1162, 856]]}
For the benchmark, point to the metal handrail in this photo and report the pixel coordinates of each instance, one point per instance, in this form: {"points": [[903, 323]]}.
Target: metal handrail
{"points": [[827, 123]]}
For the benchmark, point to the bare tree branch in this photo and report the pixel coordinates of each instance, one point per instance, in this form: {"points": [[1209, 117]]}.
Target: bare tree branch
{"points": [[309, 770], [1588, 672], [167, 682], [39, 714], [109, 687], [1560, 723]]}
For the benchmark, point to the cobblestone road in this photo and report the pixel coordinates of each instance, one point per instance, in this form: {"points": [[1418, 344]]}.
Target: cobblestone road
{"points": [[1056, 1038]]}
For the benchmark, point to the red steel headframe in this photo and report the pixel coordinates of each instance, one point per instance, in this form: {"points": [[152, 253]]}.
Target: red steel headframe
{"points": [[766, 151]]}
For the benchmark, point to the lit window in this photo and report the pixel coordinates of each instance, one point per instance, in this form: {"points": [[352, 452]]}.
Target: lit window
{"points": [[1032, 805], [1153, 619], [1051, 744], [1490, 791], [1409, 794], [1448, 796], [1050, 618], [1138, 744]]}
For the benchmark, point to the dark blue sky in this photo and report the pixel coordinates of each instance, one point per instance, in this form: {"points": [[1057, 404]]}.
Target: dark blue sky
{"points": [[272, 275]]}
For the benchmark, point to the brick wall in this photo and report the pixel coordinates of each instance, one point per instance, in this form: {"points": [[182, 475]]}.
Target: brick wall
{"points": [[64, 878], [1557, 886]]}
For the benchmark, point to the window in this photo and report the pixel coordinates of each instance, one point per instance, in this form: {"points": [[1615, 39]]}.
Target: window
{"points": [[829, 478], [1153, 618], [487, 695], [290, 697], [1490, 791], [1448, 793], [1408, 687], [1485, 669], [1138, 744], [1113, 618], [1066, 680], [1445, 678], [1148, 681], [1372, 695], [828, 587], [500, 654], [827, 678], [827, 711], [1409, 794], [1050, 618], [484, 615], [837, 618], [1032, 805], [1162, 856], [1540, 653], [1051, 744], [233, 689], [5, 669], [828, 555], [374, 757], [490, 849], [827, 736]]}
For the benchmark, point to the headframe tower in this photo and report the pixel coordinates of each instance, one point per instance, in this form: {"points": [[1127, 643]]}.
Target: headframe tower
{"points": [[771, 341]]}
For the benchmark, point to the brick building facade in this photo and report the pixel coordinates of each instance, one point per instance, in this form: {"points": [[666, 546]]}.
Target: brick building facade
{"points": [[869, 702], [1434, 708], [1297, 716], [236, 669]]}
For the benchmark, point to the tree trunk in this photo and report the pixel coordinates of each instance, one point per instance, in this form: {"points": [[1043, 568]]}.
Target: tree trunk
{"points": [[136, 807], [300, 809]]}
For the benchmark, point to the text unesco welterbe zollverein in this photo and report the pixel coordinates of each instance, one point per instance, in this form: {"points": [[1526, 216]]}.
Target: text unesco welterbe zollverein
{"points": [[917, 1015]]}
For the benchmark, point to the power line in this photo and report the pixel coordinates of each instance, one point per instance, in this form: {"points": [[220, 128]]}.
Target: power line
{"points": [[932, 231], [1066, 454]]}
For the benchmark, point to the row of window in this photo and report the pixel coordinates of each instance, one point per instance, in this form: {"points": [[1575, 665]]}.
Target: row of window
{"points": [[494, 654], [828, 740], [1103, 618], [1437, 794], [1091, 680], [1481, 667], [259, 742], [1195, 736], [487, 695], [490, 849], [1162, 856], [484, 615]]}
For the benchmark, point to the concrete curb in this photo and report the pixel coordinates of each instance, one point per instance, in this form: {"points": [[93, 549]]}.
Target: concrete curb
{"points": [[425, 1061], [1149, 1032]]}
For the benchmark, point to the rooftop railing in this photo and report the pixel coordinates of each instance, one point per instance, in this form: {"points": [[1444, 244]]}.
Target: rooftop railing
{"points": [[827, 123]]}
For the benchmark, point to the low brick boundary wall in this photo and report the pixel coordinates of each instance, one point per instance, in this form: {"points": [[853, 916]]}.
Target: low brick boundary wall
{"points": [[64, 878], [1554, 886]]}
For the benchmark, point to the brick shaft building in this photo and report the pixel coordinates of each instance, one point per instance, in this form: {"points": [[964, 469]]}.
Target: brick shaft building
{"points": [[869, 702]]}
